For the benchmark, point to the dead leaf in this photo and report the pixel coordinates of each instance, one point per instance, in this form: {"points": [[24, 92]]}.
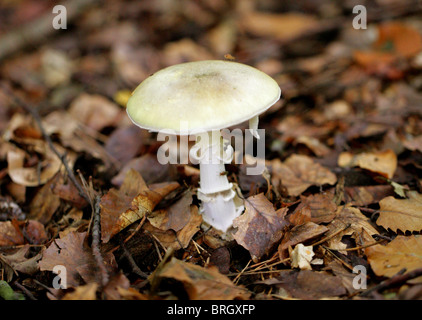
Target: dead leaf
{"points": [[310, 285], [366, 195], [201, 283], [131, 202], [381, 162], [86, 292], [299, 172], [402, 252], [299, 234], [36, 175], [401, 214], [9, 234], [316, 146], [352, 222], [283, 27], [19, 261], [260, 226], [414, 144], [70, 252], [45, 203], [169, 238], [318, 208], [95, 111]]}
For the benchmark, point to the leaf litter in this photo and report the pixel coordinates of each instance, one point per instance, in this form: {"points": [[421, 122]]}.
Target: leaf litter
{"points": [[81, 186]]}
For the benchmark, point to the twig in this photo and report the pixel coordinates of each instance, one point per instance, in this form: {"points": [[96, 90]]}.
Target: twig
{"points": [[332, 235], [96, 236], [18, 101], [132, 262], [394, 281], [26, 291]]}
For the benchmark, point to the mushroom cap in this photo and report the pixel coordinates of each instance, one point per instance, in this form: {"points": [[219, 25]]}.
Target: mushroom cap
{"points": [[201, 96]]}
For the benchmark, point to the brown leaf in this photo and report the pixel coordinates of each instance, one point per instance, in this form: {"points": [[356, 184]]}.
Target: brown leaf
{"points": [[70, 252], [366, 195], [299, 172], [131, 202], [19, 262], [201, 283], [260, 226], [381, 162], [45, 203], [9, 234], [310, 285], [414, 144], [352, 222], [317, 147], [177, 240], [401, 214], [175, 217], [319, 208], [299, 234], [86, 292], [95, 111], [402, 252], [281, 26], [124, 143]]}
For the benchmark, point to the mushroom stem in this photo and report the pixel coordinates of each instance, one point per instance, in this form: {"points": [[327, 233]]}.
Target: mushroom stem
{"points": [[219, 201]]}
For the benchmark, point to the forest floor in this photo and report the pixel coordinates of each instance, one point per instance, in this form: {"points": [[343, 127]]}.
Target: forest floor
{"points": [[337, 214]]}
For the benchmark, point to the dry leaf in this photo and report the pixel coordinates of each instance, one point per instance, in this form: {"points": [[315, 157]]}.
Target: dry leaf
{"points": [[402, 252], [201, 283], [131, 202], [359, 227], [45, 203], [299, 172], [260, 226], [19, 262], [414, 143], [70, 252], [9, 234], [177, 240], [401, 214], [314, 144], [280, 26], [318, 208], [37, 175], [86, 292], [299, 234], [95, 111], [366, 195], [381, 162]]}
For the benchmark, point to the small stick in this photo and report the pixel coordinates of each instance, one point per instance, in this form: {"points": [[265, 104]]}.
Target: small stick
{"points": [[96, 235], [132, 262], [394, 281], [331, 235]]}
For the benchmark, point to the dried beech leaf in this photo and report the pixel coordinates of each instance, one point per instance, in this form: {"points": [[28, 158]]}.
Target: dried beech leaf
{"points": [[201, 283], [402, 252], [299, 172], [320, 208], [70, 252], [131, 202], [381, 162], [260, 226], [86, 292], [9, 234], [401, 214]]}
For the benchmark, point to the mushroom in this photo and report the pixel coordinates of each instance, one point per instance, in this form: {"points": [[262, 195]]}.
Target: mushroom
{"points": [[201, 98]]}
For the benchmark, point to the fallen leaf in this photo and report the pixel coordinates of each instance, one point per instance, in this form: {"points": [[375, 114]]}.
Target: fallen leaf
{"points": [[381, 162], [310, 285], [402, 252], [260, 226], [366, 195], [401, 214], [299, 172], [70, 252], [352, 222], [129, 203], [283, 27], [95, 111], [201, 283], [19, 261], [180, 239], [414, 144], [9, 235], [299, 234], [314, 144], [85, 292], [45, 203], [319, 208]]}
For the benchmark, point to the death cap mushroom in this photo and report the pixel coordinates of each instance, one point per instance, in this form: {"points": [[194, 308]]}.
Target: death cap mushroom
{"points": [[202, 96]]}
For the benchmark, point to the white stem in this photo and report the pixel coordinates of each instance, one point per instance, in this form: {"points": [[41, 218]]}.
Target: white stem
{"points": [[216, 193]]}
